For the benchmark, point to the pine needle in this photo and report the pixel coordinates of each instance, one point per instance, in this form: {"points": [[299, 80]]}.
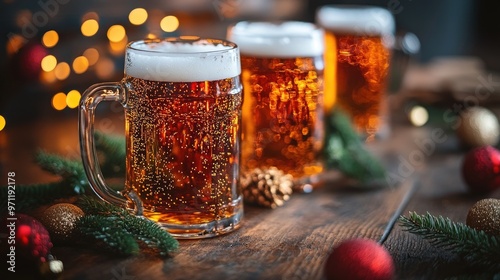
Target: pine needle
{"points": [[147, 232], [479, 248], [345, 151], [109, 233]]}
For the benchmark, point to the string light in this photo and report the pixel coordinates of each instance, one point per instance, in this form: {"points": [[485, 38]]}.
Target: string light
{"points": [[73, 99], [138, 16], [169, 23], [62, 71], [48, 77], [2, 122], [50, 38], [92, 55], [419, 116], [80, 64], [59, 101], [104, 68], [116, 33], [89, 27], [48, 63]]}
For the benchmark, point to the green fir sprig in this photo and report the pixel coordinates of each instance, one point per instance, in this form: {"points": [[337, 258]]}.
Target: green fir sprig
{"points": [[73, 180], [345, 151], [477, 247], [121, 231]]}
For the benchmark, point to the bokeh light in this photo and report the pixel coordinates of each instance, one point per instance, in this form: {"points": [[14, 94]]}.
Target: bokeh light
{"points": [[59, 101], [92, 55], [169, 23], [73, 99], [50, 38], [90, 27], [151, 36], [418, 116], [104, 68], [48, 63], [80, 64], [118, 48], [47, 77], [15, 43], [2, 122], [138, 16], [116, 33], [62, 70]]}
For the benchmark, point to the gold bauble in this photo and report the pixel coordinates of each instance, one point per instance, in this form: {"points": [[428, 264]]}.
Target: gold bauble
{"points": [[478, 127], [485, 216], [60, 219]]}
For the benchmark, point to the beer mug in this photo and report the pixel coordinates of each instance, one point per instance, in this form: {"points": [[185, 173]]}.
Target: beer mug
{"points": [[282, 73], [182, 99], [358, 43]]}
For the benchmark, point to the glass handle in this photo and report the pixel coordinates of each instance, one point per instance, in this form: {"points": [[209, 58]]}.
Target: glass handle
{"points": [[89, 101]]}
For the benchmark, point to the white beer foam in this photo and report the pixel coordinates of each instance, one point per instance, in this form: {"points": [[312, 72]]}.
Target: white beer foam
{"points": [[182, 62], [280, 40], [359, 20]]}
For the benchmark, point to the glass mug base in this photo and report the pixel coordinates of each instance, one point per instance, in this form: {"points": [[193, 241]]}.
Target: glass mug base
{"points": [[204, 230]]}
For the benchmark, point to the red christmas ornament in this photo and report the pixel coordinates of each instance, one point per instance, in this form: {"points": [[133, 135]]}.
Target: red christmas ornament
{"points": [[481, 169], [27, 62], [32, 238], [359, 259]]}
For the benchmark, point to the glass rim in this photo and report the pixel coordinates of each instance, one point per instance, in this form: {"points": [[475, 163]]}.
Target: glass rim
{"points": [[229, 46]]}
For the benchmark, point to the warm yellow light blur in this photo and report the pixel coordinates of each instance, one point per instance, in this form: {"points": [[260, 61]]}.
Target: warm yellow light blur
{"points": [[80, 64], [73, 99], [116, 33], [169, 23], [50, 38], [92, 55], [62, 70], [59, 101], [151, 36], [104, 68], [2, 122], [47, 77], [138, 16], [49, 63], [89, 27], [118, 48], [419, 116]]}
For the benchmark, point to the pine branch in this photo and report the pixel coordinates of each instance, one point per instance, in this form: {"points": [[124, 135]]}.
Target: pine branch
{"points": [[109, 233], [148, 232], [112, 151], [477, 247], [32, 196], [345, 151], [151, 234], [57, 165]]}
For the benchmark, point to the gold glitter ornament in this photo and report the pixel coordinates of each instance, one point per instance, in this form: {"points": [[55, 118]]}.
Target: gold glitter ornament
{"points": [[485, 216], [478, 127], [60, 219]]}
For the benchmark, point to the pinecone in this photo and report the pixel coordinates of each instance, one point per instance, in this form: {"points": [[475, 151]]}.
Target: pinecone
{"points": [[267, 187]]}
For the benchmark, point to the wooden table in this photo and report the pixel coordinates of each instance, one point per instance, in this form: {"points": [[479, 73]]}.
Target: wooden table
{"points": [[291, 242]]}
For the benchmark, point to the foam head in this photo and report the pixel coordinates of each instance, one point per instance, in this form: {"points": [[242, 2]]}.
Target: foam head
{"points": [[280, 40], [358, 20], [181, 60]]}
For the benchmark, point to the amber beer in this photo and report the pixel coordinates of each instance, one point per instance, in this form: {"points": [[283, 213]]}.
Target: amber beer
{"points": [[282, 70], [358, 43], [183, 156], [182, 100]]}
